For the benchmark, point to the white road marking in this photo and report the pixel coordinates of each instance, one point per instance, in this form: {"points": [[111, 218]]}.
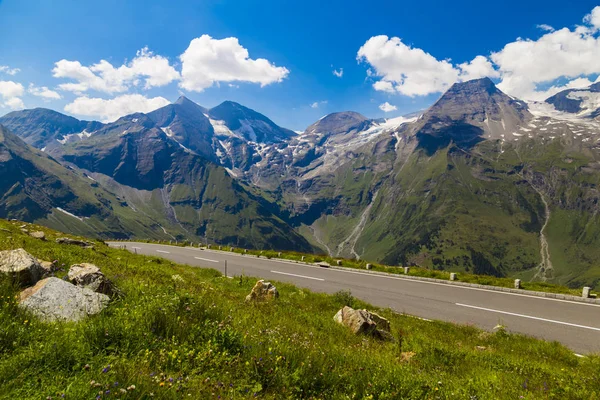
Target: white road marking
{"points": [[530, 317], [161, 251], [298, 276], [408, 279], [206, 259]]}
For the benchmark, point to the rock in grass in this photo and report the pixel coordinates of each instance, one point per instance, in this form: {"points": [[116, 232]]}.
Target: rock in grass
{"points": [[21, 266], [53, 299], [263, 291], [363, 322], [48, 267], [74, 242], [38, 235], [90, 277]]}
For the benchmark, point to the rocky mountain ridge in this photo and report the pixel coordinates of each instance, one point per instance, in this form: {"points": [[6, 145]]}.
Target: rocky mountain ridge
{"points": [[480, 181]]}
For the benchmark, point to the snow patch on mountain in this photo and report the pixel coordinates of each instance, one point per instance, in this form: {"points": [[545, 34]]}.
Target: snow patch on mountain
{"points": [[69, 214], [590, 101]]}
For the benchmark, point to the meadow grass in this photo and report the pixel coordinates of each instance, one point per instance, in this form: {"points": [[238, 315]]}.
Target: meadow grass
{"points": [[184, 332]]}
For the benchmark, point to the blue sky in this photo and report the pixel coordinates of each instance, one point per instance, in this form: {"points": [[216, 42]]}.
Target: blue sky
{"points": [[303, 43]]}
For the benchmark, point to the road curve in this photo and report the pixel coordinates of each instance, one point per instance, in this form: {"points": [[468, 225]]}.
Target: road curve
{"points": [[576, 325]]}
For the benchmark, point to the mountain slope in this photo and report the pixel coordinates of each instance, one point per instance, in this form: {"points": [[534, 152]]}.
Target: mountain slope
{"points": [[480, 182], [191, 196], [36, 188], [43, 128], [584, 102]]}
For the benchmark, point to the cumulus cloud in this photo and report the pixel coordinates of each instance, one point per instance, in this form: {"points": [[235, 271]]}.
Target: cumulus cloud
{"points": [[479, 67], [43, 92], [404, 69], [316, 104], [338, 72], [112, 109], [387, 107], [10, 94], [526, 68], [593, 18], [525, 64], [9, 71], [153, 69], [208, 61]]}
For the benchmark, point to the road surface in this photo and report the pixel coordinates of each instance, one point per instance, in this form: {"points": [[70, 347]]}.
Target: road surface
{"points": [[576, 325]]}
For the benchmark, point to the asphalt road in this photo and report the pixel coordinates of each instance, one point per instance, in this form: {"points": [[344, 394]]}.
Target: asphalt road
{"points": [[576, 325]]}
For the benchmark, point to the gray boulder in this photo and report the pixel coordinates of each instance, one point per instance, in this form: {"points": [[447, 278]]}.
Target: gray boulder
{"points": [[90, 276], [363, 322], [53, 299], [21, 266], [38, 235]]}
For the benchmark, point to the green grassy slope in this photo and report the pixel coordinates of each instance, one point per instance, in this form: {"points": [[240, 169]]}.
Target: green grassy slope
{"points": [[33, 186], [194, 337], [481, 211]]}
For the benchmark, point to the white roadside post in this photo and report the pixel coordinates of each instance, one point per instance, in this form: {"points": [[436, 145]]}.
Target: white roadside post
{"points": [[586, 292]]}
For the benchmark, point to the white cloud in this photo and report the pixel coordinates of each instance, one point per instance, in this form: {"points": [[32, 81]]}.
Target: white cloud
{"points": [[406, 70], [526, 64], [528, 69], [155, 70], [593, 18], [15, 103], [10, 93], [9, 71], [479, 67], [208, 61], [546, 27], [387, 107], [110, 110], [338, 72], [316, 104], [43, 92]]}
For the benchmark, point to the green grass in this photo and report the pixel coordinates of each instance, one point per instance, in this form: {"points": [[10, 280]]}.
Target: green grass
{"points": [[195, 337]]}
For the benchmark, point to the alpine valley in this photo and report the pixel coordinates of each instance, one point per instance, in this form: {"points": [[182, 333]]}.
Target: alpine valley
{"points": [[480, 182]]}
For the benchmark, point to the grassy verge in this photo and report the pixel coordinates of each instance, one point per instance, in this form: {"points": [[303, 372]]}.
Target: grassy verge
{"points": [[193, 336], [414, 270]]}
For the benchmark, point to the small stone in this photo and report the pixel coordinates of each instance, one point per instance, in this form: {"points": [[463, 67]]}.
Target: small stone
{"points": [[323, 264], [48, 267], [38, 235], [263, 291], [64, 240], [363, 322], [21, 265], [89, 276]]}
